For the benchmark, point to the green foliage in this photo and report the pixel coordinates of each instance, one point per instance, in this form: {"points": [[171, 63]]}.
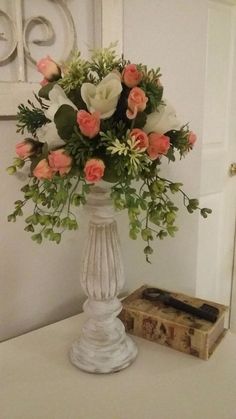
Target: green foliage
{"points": [[53, 200], [152, 213], [103, 61], [179, 141], [45, 90], [65, 120], [30, 118], [80, 149], [76, 72]]}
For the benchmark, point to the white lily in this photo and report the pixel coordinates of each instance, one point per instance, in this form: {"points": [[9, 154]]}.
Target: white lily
{"points": [[104, 97], [163, 120], [57, 98], [48, 134]]}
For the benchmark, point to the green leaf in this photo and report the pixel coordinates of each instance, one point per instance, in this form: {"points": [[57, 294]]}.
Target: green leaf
{"points": [[29, 228], [47, 232], [140, 120], [146, 234], [205, 211], [11, 217], [44, 91], [194, 203], [37, 238], [57, 237], [172, 230], [170, 217], [174, 187], [189, 208], [133, 234], [19, 163], [162, 234], [11, 170], [148, 250], [65, 120], [170, 154]]}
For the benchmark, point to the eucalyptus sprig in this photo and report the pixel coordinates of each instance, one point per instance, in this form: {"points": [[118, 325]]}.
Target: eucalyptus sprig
{"points": [[151, 210], [53, 201]]}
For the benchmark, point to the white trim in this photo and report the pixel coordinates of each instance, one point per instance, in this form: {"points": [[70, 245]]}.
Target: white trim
{"points": [[108, 23], [20, 46]]}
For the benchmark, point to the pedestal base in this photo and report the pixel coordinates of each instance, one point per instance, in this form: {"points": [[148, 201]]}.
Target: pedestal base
{"points": [[102, 357], [103, 346]]}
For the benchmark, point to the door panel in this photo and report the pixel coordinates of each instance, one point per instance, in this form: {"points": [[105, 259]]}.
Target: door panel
{"points": [[218, 189]]}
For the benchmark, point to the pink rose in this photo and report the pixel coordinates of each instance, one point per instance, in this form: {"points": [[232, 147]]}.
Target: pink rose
{"points": [[136, 102], [94, 170], [43, 170], [48, 68], [59, 161], [89, 124], [24, 149], [131, 76], [140, 137], [192, 138], [158, 145]]}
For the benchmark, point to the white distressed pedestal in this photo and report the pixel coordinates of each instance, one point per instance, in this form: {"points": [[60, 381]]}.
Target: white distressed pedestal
{"points": [[103, 346]]}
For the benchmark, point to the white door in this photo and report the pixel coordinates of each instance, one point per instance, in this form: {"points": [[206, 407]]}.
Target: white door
{"points": [[218, 187]]}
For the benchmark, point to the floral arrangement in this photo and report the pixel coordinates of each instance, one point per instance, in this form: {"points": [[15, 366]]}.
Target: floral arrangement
{"points": [[100, 119]]}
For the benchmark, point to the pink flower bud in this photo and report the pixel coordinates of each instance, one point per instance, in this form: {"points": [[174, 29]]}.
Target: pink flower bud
{"points": [[49, 69], [158, 145], [59, 161], [94, 170], [140, 137], [24, 149], [42, 170], [192, 138], [131, 76], [136, 102], [89, 124]]}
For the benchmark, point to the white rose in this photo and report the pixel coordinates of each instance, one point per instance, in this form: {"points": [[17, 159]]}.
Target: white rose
{"points": [[163, 120], [57, 98], [48, 133], [104, 97]]}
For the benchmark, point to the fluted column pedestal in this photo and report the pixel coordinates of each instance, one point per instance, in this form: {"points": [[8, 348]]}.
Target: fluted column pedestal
{"points": [[103, 346]]}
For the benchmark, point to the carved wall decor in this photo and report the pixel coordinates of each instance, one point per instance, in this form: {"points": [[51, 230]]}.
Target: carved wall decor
{"points": [[20, 30]]}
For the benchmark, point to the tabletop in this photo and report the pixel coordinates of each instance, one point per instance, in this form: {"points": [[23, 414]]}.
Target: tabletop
{"points": [[37, 381]]}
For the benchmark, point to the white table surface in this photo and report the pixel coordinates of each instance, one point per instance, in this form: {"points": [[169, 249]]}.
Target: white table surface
{"points": [[37, 381]]}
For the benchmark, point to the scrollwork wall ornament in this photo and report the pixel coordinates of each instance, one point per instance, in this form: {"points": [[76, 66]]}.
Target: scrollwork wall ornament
{"points": [[12, 47], [48, 37], [49, 34]]}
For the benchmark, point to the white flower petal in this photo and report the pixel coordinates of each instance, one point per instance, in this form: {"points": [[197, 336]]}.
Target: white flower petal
{"points": [[104, 97], [163, 120], [111, 76], [57, 98], [87, 91], [48, 133]]}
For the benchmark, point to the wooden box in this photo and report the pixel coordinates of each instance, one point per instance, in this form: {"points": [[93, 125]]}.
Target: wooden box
{"points": [[179, 330]]}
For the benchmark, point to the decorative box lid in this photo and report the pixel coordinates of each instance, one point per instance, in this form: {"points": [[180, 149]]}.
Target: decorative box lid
{"points": [[158, 309]]}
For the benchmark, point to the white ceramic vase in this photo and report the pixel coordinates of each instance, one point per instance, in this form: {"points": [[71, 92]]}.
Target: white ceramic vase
{"points": [[103, 346]]}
